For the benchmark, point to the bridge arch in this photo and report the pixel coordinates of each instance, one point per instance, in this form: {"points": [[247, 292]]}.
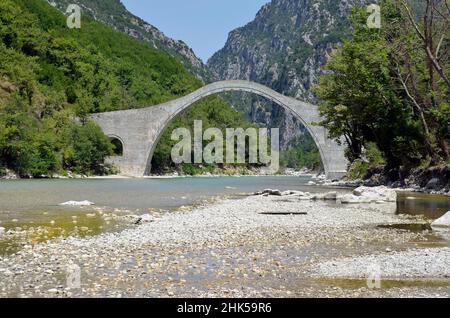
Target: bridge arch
{"points": [[118, 144], [141, 129]]}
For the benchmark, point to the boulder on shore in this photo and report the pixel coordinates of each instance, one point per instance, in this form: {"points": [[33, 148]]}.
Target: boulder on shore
{"points": [[370, 194], [270, 192], [10, 175], [433, 184], [380, 194], [351, 198], [2, 231], [329, 196], [145, 218], [444, 221]]}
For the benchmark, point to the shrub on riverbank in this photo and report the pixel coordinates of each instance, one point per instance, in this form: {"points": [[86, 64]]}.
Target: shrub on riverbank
{"points": [[372, 159]]}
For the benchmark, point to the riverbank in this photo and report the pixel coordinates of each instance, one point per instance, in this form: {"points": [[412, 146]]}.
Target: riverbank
{"points": [[434, 180], [259, 246], [254, 172]]}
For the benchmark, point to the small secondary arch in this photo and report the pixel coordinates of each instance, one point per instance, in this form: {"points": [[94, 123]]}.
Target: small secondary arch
{"points": [[117, 142]]}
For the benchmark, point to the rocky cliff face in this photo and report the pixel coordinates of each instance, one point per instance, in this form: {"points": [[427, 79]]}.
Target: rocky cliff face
{"points": [[114, 14], [285, 48]]}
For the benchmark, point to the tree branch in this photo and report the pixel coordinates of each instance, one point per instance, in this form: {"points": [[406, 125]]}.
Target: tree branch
{"points": [[428, 49], [413, 100]]}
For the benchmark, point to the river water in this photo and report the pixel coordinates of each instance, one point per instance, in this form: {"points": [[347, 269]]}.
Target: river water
{"points": [[31, 208], [166, 193], [30, 211]]}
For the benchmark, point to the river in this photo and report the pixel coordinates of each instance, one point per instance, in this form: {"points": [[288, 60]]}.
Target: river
{"points": [[193, 251], [165, 193], [31, 208]]}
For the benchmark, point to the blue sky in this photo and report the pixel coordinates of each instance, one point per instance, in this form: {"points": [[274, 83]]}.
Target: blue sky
{"points": [[203, 24]]}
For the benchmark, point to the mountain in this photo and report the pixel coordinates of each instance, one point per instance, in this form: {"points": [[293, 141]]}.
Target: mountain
{"points": [[50, 74], [114, 14], [52, 78], [285, 47]]}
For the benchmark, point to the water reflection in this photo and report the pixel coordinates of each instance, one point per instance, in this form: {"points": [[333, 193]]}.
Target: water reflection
{"points": [[428, 205]]}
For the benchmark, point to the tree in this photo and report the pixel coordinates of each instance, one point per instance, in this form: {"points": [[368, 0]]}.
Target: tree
{"points": [[88, 149], [382, 87], [419, 49], [50, 75]]}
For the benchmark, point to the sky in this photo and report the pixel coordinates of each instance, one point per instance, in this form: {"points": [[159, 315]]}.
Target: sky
{"points": [[202, 24]]}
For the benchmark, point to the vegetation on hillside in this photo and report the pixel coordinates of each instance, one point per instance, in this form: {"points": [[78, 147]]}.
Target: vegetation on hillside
{"points": [[302, 153], [114, 14], [388, 88], [50, 75], [285, 47], [215, 113]]}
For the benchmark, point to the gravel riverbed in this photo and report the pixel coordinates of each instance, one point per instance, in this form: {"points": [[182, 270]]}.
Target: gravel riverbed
{"points": [[252, 247]]}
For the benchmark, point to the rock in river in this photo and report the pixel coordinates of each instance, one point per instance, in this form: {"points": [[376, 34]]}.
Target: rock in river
{"points": [[443, 221]]}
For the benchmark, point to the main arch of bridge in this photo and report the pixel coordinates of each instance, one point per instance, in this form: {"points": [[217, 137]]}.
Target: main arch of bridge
{"points": [[139, 130]]}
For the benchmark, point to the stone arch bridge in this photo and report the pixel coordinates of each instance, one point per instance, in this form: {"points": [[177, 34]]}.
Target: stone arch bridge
{"points": [[139, 130]]}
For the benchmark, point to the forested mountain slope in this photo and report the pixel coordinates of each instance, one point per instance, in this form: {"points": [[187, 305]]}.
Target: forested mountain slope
{"points": [[114, 14], [50, 75]]}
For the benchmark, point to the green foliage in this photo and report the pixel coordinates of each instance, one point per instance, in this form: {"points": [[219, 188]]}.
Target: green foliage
{"points": [[373, 155], [371, 158], [88, 148], [358, 170], [41, 90], [364, 101], [50, 74], [214, 113], [192, 169], [302, 153], [114, 13], [99, 69], [33, 147]]}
